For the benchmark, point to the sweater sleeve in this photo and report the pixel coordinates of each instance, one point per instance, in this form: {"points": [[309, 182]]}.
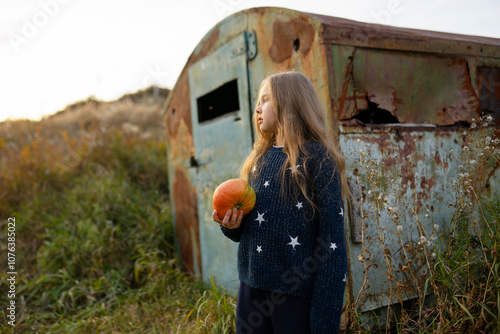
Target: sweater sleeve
{"points": [[331, 276], [233, 234]]}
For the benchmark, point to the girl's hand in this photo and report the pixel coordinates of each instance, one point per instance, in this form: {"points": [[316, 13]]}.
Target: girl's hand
{"points": [[231, 220]]}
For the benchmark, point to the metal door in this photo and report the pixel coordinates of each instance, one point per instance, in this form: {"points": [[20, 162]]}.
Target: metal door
{"points": [[222, 135]]}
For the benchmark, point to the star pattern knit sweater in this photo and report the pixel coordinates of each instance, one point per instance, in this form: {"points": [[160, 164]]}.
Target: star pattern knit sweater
{"points": [[287, 246]]}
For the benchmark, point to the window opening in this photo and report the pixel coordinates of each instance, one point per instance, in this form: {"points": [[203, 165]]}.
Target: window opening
{"points": [[218, 102]]}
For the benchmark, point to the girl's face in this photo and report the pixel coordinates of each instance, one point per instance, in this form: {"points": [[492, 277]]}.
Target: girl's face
{"points": [[266, 118]]}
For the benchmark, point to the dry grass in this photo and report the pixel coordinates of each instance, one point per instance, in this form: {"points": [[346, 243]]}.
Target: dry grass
{"points": [[94, 238]]}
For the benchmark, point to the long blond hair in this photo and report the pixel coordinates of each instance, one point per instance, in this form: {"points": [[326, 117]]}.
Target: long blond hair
{"points": [[299, 118]]}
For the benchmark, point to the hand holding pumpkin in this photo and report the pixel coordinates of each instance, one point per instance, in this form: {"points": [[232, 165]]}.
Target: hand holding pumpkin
{"points": [[231, 220], [234, 198]]}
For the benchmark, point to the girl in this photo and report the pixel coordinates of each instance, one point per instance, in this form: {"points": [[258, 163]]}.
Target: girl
{"points": [[292, 259]]}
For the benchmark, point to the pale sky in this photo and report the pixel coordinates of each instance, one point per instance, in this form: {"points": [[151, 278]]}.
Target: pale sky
{"points": [[56, 52]]}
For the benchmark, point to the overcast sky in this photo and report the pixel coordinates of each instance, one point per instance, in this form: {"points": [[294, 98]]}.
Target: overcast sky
{"points": [[56, 52]]}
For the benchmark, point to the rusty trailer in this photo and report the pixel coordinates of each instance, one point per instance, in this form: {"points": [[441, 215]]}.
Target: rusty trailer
{"points": [[400, 96]]}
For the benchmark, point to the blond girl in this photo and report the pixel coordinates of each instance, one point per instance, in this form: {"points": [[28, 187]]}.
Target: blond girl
{"points": [[292, 259]]}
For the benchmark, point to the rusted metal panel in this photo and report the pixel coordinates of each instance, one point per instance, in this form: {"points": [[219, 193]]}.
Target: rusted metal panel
{"points": [[413, 87], [416, 167], [340, 31], [179, 148], [186, 222], [413, 182]]}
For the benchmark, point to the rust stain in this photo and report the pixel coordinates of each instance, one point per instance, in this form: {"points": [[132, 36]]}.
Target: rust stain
{"points": [[407, 170], [407, 176], [427, 183], [471, 98], [206, 47], [284, 36], [384, 142], [179, 108], [345, 87], [467, 101], [409, 148], [437, 158], [186, 224], [394, 103], [389, 161]]}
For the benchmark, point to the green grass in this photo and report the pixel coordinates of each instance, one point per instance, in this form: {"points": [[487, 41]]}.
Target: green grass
{"points": [[94, 240]]}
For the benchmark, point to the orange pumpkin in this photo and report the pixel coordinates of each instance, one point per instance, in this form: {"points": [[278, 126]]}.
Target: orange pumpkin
{"points": [[233, 193]]}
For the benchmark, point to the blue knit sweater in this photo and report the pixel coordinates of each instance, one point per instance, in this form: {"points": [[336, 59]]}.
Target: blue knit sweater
{"points": [[287, 246]]}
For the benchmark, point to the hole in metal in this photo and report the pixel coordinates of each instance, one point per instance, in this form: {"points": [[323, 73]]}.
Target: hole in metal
{"points": [[375, 115]]}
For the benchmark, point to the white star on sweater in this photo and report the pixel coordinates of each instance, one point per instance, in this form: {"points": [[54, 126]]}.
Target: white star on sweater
{"points": [[296, 166], [259, 248], [345, 278], [341, 212], [299, 205], [254, 168], [266, 183], [294, 242], [333, 245], [260, 218]]}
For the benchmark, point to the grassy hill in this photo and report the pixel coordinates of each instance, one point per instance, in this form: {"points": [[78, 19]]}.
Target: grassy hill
{"points": [[88, 190]]}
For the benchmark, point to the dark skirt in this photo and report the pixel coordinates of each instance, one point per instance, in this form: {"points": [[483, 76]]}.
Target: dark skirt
{"points": [[262, 312]]}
